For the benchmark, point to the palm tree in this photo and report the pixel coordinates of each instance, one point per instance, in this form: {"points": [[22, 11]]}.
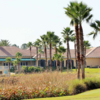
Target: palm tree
{"points": [[70, 12], [50, 36], [8, 60], [96, 27], [40, 52], [83, 14], [56, 43], [44, 41], [18, 59], [30, 48], [37, 45], [73, 39], [61, 50], [15, 63], [86, 46], [24, 46], [61, 58], [66, 33]]}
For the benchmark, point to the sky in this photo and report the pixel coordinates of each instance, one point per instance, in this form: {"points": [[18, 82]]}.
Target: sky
{"points": [[22, 21]]}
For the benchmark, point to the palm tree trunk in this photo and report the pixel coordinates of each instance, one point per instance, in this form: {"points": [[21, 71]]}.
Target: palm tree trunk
{"points": [[61, 66], [30, 57], [85, 56], [75, 55], [9, 68], [39, 59], [67, 55], [78, 51], [50, 58], [45, 50], [36, 56], [57, 64], [70, 59], [18, 68], [82, 51]]}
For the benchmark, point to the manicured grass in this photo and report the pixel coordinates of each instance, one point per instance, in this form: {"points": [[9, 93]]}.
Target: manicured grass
{"points": [[89, 95]]}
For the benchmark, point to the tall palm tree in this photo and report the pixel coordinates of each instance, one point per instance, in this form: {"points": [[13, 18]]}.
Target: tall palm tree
{"points": [[37, 45], [96, 27], [83, 15], [44, 41], [9, 60], [70, 12], [66, 33], [18, 59], [29, 44], [50, 36]]}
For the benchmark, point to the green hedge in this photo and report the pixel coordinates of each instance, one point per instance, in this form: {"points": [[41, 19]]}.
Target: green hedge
{"points": [[31, 69]]}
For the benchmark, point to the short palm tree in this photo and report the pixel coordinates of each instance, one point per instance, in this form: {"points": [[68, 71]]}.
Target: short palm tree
{"points": [[29, 44], [86, 46], [40, 52], [18, 59], [15, 63], [9, 60]]}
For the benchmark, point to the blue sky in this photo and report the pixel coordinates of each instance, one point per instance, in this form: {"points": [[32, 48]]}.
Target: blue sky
{"points": [[22, 21]]}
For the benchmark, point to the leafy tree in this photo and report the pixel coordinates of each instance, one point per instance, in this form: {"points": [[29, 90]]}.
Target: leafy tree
{"points": [[24, 46], [29, 44], [4, 43], [15, 45]]}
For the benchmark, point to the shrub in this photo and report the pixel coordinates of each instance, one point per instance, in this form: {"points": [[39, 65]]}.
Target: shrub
{"points": [[12, 69], [92, 83], [77, 86]]}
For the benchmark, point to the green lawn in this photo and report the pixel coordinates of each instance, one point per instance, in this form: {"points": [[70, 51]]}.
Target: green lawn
{"points": [[89, 95]]}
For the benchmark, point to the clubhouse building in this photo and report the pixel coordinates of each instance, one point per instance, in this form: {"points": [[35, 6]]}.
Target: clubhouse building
{"points": [[92, 57]]}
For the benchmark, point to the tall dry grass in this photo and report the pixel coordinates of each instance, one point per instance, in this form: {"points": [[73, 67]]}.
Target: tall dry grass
{"points": [[35, 85]]}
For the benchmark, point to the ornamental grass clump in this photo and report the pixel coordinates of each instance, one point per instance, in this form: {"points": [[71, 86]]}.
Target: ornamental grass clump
{"points": [[77, 86], [92, 83], [35, 85]]}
